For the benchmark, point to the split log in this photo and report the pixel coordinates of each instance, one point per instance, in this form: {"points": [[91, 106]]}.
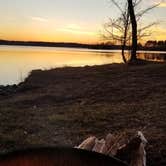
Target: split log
{"points": [[132, 152], [99, 146], [87, 144], [139, 155], [110, 142], [117, 142]]}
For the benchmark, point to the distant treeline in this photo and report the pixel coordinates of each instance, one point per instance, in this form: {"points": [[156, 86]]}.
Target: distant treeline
{"points": [[156, 45], [150, 45], [59, 44]]}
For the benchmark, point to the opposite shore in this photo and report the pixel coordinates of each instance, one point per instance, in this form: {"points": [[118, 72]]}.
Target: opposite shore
{"points": [[148, 46]]}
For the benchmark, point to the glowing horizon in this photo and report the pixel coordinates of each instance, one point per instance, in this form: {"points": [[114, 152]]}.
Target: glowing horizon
{"points": [[66, 21]]}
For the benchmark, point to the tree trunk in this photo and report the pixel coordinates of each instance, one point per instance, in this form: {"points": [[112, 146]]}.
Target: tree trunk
{"points": [[123, 53], [134, 31], [124, 41]]}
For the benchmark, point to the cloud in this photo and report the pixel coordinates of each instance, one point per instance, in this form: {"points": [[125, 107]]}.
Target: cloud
{"points": [[40, 19], [162, 4], [158, 33], [75, 29]]}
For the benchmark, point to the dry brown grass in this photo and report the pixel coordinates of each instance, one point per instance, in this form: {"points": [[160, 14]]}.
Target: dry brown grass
{"points": [[64, 106]]}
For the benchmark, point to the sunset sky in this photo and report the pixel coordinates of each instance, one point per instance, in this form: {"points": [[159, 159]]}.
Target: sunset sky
{"points": [[67, 20]]}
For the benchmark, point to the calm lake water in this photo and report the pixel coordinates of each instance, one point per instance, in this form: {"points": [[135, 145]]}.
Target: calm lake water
{"points": [[17, 61]]}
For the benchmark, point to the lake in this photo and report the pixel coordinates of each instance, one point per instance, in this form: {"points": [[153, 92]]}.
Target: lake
{"points": [[16, 62]]}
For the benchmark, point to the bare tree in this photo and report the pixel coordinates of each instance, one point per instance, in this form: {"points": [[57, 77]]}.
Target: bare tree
{"points": [[124, 28], [134, 30], [117, 30]]}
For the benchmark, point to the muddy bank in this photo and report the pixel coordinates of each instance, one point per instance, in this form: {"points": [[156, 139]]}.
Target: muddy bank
{"points": [[64, 106]]}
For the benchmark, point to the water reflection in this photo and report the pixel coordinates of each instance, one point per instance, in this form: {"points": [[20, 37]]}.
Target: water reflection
{"points": [[17, 61], [159, 57]]}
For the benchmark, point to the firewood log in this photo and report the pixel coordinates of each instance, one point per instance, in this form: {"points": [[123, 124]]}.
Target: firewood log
{"points": [[99, 146], [132, 151], [139, 154], [87, 144]]}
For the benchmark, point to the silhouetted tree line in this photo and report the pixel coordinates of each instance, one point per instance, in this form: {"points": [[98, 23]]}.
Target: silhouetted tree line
{"points": [[149, 45], [153, 44], [60, 44]]}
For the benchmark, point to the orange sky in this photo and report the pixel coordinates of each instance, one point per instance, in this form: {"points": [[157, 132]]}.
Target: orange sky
{"points": [[66, 21]]}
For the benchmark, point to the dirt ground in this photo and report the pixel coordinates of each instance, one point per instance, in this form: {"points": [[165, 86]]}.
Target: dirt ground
{"points": [[64, 106]]}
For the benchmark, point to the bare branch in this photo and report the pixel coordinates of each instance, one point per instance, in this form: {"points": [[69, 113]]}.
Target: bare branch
{"points": [[144, 11], [120, 9], [120, 29], [147, 27], [138, 2], [117, 5]]}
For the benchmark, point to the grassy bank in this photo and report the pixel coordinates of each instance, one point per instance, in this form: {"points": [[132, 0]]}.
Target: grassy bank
{"points": [[64, 106]]}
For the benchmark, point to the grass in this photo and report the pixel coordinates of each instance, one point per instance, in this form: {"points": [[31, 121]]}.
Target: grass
{"points": [[64, 106]]}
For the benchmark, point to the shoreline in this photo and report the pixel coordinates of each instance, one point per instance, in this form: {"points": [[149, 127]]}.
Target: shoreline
{"points": [[97, 49], [97, 46]]}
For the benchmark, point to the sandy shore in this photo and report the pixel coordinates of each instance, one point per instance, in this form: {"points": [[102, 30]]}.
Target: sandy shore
{"points": [[64, 106]]}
